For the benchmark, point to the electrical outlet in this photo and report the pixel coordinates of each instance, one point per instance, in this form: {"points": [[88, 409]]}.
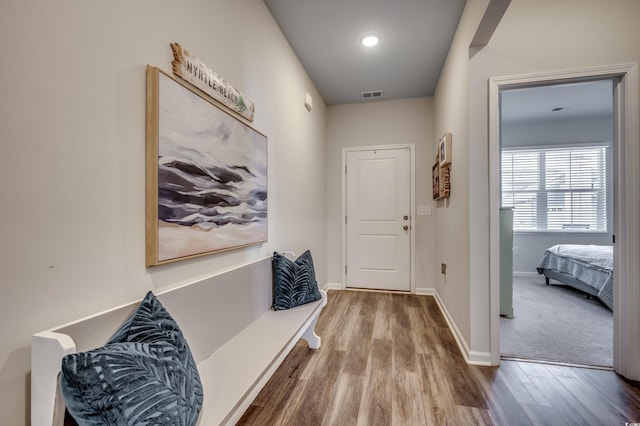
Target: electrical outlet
{"points": [[443, 268]]}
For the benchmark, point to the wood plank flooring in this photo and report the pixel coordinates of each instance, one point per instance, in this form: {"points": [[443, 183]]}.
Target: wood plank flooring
{"points": [[390, 359]]}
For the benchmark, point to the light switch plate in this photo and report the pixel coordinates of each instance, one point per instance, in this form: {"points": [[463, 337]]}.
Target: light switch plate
{"points": [[424, 211]]}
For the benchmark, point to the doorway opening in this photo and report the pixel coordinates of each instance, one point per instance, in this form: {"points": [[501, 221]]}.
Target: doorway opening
{"points": [[626, 204], [556, 179]]}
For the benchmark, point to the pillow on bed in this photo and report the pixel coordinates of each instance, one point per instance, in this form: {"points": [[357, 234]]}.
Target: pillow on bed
{"points": [[294, 282], [145, 374]]}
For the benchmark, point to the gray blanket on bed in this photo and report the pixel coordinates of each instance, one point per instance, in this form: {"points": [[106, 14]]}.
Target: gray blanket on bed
{"points": [[591, 264]]}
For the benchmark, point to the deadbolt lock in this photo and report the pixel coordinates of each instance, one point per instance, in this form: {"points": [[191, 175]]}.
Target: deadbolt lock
{"points": [[406, 217]]}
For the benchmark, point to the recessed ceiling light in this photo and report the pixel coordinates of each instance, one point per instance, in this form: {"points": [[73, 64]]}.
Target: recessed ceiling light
{"points": [[370, 40]]}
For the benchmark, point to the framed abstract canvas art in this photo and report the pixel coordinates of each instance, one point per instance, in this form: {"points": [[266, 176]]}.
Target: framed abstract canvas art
{"points": [[206, 171]]}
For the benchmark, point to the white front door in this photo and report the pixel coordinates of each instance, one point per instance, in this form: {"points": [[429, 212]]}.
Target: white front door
{"points": [[378, 219]]}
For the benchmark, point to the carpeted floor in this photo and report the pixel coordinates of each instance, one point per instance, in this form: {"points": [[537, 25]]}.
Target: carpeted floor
{"points": [[556, 323]]}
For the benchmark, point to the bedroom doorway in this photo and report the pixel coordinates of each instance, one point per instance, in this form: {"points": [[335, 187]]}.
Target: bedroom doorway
{"points": [[556, 176], [626, 203]]}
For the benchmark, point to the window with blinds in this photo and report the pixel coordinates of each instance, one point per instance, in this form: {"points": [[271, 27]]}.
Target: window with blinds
{"points": [[556, 189]]}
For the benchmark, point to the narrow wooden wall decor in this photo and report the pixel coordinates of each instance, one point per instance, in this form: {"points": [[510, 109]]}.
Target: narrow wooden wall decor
{"points": [[193, 70], [444, 181]]}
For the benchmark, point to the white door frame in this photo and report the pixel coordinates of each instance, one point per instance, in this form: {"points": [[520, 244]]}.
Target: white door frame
{"points": [[412, 160], [626, 208]]}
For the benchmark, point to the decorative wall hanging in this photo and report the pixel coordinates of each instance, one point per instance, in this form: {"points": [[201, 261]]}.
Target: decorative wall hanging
{"points": [[206, 171], [193, 70], [445, 182], [435, 180], [444, 150], [441, 170]]}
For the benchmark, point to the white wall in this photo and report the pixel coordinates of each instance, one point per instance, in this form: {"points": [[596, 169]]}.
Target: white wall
{"points": [[408, 121], [533, 36], [531, 247], [72, 138], [584, 129], [461, 292], [539, 36]]}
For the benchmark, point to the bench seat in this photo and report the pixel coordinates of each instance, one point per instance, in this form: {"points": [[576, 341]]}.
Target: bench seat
{"points": [[234, 374], [237, 340]]}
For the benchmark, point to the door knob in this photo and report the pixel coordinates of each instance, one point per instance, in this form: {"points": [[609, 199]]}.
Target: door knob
{"points": [[406, 227]]}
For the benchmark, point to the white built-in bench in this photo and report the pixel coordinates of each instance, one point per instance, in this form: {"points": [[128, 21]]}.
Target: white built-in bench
{"points": [[237, 341]]}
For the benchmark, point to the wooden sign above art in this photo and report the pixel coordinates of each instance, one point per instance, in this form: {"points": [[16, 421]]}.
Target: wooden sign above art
{"points": [[193, 70]]}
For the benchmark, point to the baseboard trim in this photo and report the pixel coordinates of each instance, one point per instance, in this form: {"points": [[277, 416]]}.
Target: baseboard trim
{"points": [[479, 358], [334, 286], [470, 357], [425, 291]]}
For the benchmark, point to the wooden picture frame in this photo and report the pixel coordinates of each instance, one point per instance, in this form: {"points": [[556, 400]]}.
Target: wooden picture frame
{"points": [[435, 180], [444, 150], [206, 174]]}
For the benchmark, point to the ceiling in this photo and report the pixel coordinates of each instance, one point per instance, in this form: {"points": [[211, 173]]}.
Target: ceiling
{"points": [[415, 38], [325, 36], [560, 101]]}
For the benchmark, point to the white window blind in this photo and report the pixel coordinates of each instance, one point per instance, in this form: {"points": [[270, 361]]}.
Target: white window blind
{"points": [[556, 189]]}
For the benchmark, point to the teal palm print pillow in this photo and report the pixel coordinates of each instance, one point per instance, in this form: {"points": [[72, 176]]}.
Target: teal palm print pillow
{"points": [[294, 282], [144, 375]]}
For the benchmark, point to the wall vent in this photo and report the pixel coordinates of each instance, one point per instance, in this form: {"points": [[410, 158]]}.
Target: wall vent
{"points": [[371, 94]]}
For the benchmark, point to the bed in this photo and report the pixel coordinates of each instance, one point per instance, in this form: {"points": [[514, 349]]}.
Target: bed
{"points": [[588, 268]]}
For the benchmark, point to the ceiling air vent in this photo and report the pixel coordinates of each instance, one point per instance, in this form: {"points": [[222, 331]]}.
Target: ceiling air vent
{"points": [[372, 94]]}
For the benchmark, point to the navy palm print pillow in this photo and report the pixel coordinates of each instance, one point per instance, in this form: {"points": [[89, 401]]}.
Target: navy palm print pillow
{"points": [[294, 282], [144, 375]]}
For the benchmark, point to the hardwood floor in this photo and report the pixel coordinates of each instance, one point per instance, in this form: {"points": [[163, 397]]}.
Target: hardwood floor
{"points": [[390, 359]]}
